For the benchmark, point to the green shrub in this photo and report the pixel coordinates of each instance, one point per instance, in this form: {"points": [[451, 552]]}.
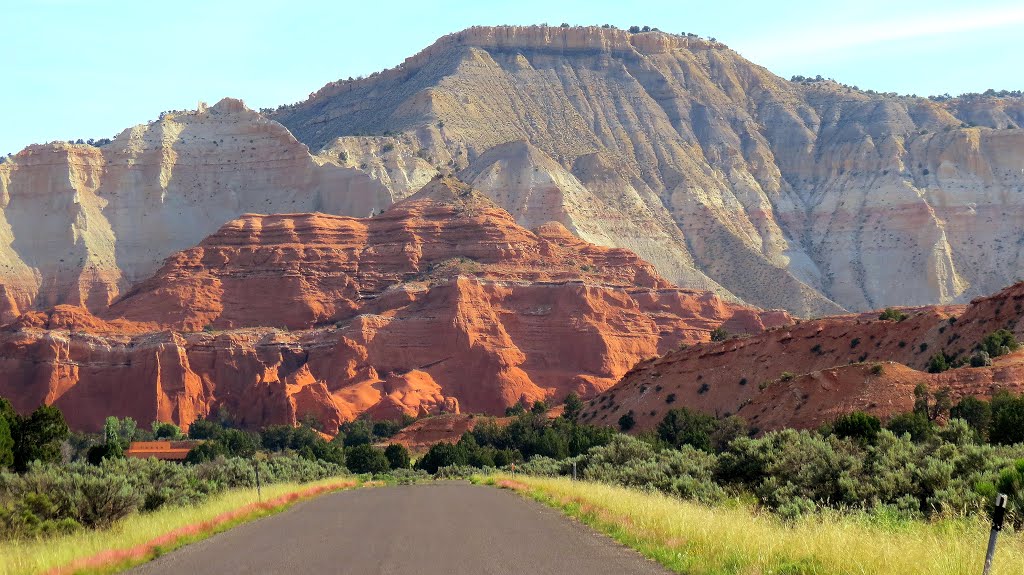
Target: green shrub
{"points": [[38, 437], [857, 425], [999, 343], [573, 406], [892, 314], [365, 458], [627, 421], [6, 444], [1007, 425], [977, 413], [916, 425], [684, 426], [398, 456]]}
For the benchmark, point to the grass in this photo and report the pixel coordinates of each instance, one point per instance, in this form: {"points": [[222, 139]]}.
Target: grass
{"points": [[696, 539], [141, 537]]}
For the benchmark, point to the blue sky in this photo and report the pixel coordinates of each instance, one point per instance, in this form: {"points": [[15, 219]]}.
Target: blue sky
{"points": [[90, 68]]}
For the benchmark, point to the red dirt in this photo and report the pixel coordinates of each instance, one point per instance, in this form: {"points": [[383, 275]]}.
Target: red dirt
{"points": [[829, 363]]}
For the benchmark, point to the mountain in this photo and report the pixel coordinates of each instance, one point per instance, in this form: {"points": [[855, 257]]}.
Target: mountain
{"points": [[808, 373], [81, 224], [812, 196], [440, 304]]}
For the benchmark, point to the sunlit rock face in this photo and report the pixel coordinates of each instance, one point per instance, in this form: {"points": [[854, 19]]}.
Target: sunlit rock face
{"points": [[814, 197]]}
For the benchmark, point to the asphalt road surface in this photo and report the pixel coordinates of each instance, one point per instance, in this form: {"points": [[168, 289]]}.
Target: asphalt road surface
{"points": [[443, 529]]}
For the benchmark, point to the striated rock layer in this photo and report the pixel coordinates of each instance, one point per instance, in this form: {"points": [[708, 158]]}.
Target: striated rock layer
{"points": [[80, 224], [810, 196], [808, 373], [441, 304]]}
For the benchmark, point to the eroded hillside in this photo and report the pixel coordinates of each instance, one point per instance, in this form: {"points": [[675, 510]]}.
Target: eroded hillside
{"points": [[808, 373], [808, 196], [440, 304]]}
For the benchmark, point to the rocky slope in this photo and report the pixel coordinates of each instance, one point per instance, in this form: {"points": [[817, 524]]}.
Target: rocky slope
{"points": [[441, 304], [810, 196], [806, 374], [81, 224]]}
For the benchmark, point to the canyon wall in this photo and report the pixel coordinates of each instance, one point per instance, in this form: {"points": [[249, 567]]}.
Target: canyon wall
{"points": [[812, 196], [440, 304]]}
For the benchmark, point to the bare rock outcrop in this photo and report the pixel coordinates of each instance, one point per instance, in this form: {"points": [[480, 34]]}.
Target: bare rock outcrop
{"points": [[811, 196], [81, 224], [442, 304]]}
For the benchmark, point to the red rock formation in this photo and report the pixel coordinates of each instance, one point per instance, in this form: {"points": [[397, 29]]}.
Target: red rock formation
{"points": [[806, 374], [441, 304]]}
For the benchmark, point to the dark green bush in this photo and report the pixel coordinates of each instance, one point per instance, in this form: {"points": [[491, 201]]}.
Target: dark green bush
{"points": [[857, 425], [55, 498], [365, 458], [685, 426], [398, 456]]}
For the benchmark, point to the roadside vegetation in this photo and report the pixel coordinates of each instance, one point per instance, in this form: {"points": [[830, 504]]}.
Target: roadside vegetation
{"points": [[65, 496], [926, 477], [733, 537]]}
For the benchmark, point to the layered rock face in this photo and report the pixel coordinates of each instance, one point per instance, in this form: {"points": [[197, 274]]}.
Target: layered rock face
{"points": [[807, 374], [80, 224], [810, 196], [441, 304]]}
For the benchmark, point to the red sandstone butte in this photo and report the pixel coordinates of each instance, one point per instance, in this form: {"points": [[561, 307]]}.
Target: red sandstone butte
{"points": [[442, 304]]}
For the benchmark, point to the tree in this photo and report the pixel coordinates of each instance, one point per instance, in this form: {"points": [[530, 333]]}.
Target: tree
{"points": [[206, 451], [166, 431], [684, 426], [385, 429], [573, 406], [38, 437], [999, 343], [238, 443], [539, 407], [719, 334], [113, 447], [442, 455], [627, 421], [915, 424], [357, 432], [1007, 426], [6, 444], [977, 413], [938, 363], [857, 425], [515, 410], [365, 458], [204, 429], [634, 29], [727, 430], [941, 404], [922, 399], [398, 456], [276, 437]]}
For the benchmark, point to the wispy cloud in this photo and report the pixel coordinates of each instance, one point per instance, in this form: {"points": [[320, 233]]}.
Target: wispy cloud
{"points": [[858, 34]]}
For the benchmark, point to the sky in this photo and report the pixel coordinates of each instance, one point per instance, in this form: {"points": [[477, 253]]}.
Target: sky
{"points": [[74, 69]]}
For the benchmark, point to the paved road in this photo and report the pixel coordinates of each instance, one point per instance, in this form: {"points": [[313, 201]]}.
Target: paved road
{"points": [[442, 529]]}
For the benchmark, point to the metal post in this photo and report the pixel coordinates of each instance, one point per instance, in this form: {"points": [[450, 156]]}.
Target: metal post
{"points": [[997, 526], [259, 491], [574, 471], [513, 470]]}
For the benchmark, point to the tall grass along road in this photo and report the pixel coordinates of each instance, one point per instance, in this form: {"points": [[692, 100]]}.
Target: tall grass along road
{"points": [[437, 528], [698, 539]]}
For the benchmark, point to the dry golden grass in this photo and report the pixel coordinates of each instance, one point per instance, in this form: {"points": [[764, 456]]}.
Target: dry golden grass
{"points": [[137, 531], [696, 539]]}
